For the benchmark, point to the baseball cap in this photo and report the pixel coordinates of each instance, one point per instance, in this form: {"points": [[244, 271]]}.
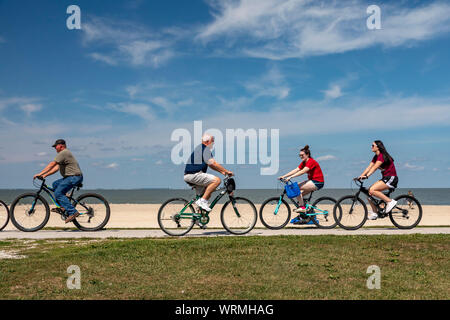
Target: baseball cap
{"points": [[59, 141]]}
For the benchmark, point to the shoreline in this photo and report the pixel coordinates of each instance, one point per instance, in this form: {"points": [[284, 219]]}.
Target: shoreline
{"points": [[131, 216]]}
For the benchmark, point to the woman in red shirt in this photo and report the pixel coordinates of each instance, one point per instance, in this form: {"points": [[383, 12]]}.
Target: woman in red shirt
{"points": [[383, 161], [315, 176]]}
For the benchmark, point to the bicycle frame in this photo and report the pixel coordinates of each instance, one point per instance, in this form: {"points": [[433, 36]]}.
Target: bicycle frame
{"points": [[48, 190], [297, 205], [365, 191], [223, 191]]}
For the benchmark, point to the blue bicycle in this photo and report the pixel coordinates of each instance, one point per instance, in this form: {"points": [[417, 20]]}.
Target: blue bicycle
{"points": [[275, 212], [30, 212]]}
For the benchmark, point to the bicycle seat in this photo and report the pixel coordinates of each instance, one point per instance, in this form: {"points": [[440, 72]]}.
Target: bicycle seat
{"points": [[191, 185]]}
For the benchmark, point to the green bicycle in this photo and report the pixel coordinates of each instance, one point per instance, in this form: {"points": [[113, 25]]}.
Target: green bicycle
{"points": [[275, 212], [177, 216]]}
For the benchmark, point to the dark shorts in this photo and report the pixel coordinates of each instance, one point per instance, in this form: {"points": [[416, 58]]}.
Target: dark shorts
{"points": [[319, 185], [391, 182]]}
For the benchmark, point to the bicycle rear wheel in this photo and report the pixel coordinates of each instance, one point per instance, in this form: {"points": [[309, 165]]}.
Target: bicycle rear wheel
{"points": [[172, 220], [238, 215], [4, 215], [350, 213], [407, 213], [29, 212], [275, 214], [324, 217], [94, 212]]}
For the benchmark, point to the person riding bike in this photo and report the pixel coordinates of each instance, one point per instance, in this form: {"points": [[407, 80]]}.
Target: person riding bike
{"points": [[195, 171], [383, 161], [315, 179], [69, 168]]}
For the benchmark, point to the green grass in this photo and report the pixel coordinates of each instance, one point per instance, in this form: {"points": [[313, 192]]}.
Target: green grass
{"points": [[280, 267]]}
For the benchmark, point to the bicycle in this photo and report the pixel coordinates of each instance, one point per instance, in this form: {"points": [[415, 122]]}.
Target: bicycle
{"points": [[350, 211], [30, 212], [4, 215], [177, 216], [275, 212]]}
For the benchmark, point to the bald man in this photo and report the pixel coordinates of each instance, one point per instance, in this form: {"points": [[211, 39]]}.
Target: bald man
{"points": [[195, 171]]}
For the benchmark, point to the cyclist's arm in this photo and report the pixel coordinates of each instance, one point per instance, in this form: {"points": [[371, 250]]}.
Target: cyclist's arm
{"points": [[367, 170], [300, 172], [373, 168], [290, 173], [50, 169], [218, 167]]}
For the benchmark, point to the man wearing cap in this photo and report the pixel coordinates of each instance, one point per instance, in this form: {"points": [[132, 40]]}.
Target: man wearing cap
{"points": [[68, 166]]}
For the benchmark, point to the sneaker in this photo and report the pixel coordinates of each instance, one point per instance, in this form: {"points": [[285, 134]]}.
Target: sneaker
{"points": [[203, 204], [72, 217], [57, 210], [310, 220], [373, 215], [201, 226], [300, 210], [390, 206]]}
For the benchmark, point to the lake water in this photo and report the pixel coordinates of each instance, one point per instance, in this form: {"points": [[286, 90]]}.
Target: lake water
{"points": [[427, 196]]}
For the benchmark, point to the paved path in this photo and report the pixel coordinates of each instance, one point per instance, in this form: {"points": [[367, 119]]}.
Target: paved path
{"points": [[60, 234]]}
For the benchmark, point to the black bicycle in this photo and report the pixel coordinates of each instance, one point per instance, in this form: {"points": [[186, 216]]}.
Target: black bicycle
{"points": [[4, 215], [177, 217], [350, 212], [30, 212], [275, 212]]}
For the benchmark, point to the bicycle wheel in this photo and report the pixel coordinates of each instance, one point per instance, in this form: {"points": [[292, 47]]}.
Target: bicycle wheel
{"points": [[30, 212], [4, 215], [324, 217], [407, 213], [275, 214], [350, 213], [172, 221], [238, 215], [94, 212]]}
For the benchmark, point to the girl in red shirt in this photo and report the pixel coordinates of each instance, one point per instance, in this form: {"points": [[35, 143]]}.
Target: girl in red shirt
{"points": [[315, 176]]}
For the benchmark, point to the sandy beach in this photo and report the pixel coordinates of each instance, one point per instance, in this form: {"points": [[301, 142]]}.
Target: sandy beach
{"points": [[145, 216]]}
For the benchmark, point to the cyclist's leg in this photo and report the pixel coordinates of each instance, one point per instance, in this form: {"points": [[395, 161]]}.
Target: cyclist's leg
{"points": [[376, 191], [204, 182], [57, 183], [60, 193], [306, 187]]}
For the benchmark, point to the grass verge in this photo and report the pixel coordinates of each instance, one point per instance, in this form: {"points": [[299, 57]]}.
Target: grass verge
{"points": [[279, 267]]}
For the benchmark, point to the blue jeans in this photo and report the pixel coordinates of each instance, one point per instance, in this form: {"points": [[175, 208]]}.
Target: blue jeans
{"points": [[61, 187]]}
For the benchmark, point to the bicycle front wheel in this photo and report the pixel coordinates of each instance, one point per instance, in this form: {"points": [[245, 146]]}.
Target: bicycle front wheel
{"points": [[407, 213], [4, 215], [176, 217], [30, 212], [238, 215], [350, 213], [323, 213], [275, 214], [94, 212]]}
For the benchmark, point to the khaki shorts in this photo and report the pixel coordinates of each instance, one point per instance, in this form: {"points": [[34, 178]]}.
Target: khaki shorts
{"points": [[200, 181]]}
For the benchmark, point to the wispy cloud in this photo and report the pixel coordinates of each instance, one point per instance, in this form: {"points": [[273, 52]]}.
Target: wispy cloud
{"points": [[122, 42], [327, 157], [333, 92], [280, 29]]}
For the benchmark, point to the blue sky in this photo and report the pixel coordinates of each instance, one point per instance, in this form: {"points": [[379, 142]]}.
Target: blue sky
{"points": [[138, 70]]}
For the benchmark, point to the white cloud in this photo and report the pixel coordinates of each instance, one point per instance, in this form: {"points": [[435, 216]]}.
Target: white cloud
{"points": [[124, 42], [333, 92], [281, 29], [413, 167], [138, 109], [41, 154], [30, 108], [103, 58], [327, 157], [113, 165]]}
